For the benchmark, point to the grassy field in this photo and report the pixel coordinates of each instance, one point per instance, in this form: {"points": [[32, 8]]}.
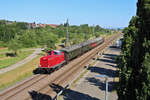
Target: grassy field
{"points": [[2, 50], [18, 74], [7, 61], [5, 50]]}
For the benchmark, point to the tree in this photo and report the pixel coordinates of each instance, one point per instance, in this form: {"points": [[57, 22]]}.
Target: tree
{"points": [[51, 40], [22, 25], [29, 39], [14, 45], [135, 58], [76, 38], [97, 28]]}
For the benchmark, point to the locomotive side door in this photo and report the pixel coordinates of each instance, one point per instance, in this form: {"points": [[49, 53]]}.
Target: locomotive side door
{"points": [[58, 57]]}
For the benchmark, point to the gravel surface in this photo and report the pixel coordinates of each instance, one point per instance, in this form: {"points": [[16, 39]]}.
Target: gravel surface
{"points": [[93, 88], [26, 60]]}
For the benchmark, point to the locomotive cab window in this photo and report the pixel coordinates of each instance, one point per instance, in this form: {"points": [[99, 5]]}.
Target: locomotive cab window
{"points": [[55, 53], [49, 52], [59, 53]]}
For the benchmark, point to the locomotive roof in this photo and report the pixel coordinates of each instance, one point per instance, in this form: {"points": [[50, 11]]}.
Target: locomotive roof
{"points": [[57, 50], [76, 46]]}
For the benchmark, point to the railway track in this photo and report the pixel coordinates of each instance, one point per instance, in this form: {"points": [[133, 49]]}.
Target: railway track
{"points": [[38, 86]]}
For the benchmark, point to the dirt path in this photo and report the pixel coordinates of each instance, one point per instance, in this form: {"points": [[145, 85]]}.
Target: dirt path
{"points": [[26, 60], [91, 87]]}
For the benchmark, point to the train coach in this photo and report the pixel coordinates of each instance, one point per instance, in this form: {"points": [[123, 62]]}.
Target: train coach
{"points": [[57, 58]]}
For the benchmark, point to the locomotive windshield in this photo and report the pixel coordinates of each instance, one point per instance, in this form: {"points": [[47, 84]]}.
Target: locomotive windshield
{"points": [[49, 52], [57, 52]]}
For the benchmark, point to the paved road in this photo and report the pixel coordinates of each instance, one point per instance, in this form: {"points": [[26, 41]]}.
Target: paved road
{"points": [[93, 88], [26, 60]]}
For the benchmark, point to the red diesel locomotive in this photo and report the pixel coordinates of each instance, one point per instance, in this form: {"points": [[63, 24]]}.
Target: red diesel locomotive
{"points": [[57, 58], [53, 59]]}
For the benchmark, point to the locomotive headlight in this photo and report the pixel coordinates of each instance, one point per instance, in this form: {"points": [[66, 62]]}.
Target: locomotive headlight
{"points": [[44, 58]]}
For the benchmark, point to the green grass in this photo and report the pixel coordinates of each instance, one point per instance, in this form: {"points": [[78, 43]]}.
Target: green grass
{"points": [[2, 56], [3, 50], [9, 78], [7, 61]]}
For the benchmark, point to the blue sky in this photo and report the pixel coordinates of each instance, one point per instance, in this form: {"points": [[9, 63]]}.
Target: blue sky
{"points": [[106, 13]]}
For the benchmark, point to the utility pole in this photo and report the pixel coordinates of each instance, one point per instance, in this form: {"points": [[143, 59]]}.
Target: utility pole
{"points": [[84, 36], [67, 33]]}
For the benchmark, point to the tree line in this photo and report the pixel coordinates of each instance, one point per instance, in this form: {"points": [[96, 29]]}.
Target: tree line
{"points": [[18, 35], [134, 63]]}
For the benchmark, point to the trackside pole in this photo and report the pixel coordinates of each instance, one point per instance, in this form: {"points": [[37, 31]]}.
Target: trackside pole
{"points": [[106, 82], [106, 92]]}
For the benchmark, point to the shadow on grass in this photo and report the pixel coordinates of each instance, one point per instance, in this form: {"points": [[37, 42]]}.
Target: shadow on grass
{"points": [[109, 55], [107, 72], [11, 54], [115, 47], [69, 94], [110, 60], [102, 85], [107, 61]]}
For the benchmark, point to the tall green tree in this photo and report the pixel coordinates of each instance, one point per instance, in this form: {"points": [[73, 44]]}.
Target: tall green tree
{"points": [[29, 39], [135, 59], [15, 46]]}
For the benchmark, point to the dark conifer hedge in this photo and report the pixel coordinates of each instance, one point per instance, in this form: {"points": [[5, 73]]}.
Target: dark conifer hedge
{"points": [[135, 58]]}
